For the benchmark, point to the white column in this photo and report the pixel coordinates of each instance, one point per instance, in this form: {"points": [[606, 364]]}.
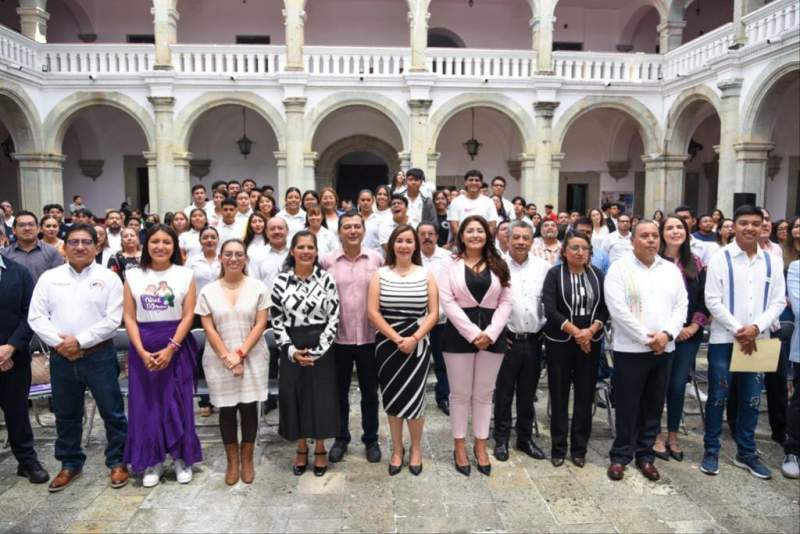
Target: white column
{"points": [[165, 26], [729, 182], [430, 171], [663, 186], [751, 169], [543, 187], [418, 16], [309, 168], [294, 18], [151, 158], [419, 132], [527, 175], [33, 17], [173, 188], [740, 9], [542, 33], [296, 174], [40, 180], [670, 35]]}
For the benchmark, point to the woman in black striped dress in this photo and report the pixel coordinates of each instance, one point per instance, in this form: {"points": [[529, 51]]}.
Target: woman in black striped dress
{"points": [[404, 307]]}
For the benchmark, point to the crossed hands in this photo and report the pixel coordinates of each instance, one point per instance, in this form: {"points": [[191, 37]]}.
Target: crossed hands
{"points": [[657, 342], [746, 337], [301, 357], [156, 361], [482, 341], [6, 363], [69, 347], [235, 363], [406, 344]]}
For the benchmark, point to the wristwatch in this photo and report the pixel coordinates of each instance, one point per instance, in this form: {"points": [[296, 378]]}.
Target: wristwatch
{"points": [[669, 336]]}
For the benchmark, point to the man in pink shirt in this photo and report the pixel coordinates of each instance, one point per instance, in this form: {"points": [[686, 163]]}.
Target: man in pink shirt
{"points": [[352, 266]]}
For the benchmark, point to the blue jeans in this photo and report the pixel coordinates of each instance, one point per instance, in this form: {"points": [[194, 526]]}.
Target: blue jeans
{"points": [[99, 372], [749, 387], [682, 360]]}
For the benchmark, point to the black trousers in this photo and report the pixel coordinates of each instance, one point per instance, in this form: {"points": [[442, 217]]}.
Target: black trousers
{"points": [[569, 367], [518, 373], [777, 398], [442, 388], [14, 387], [640, 385], [792, 443], [363, 356]]}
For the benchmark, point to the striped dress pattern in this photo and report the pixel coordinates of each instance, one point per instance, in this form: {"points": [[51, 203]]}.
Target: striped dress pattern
{"points": [[402, 377]]}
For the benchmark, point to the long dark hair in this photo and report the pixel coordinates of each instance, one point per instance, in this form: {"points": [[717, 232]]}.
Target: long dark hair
{"points": [[685, 256], [249, 234], [147, 262], [391, 258], [289, 263], [489, 254], [205, 218]]}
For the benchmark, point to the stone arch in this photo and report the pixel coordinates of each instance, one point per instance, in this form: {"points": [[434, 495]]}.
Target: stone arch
{"points": [[644, 119], [497, 102], [636, 18], [85, 25], [60, 117], [186, 119], [380, 103], [683, 119], [23, 118], [325, 168], [447, 34], [759, 117]]}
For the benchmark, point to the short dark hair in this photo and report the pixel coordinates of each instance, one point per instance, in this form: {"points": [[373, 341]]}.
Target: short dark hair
{"points": [[428, 223], [498, 178], [398, 197], [195, 187], [227, 202], [350, 213], [248, 180], [531, 205], [83, 212], [415, 173], [685, 207], [234, 182], [741, 211], [59, 207], [243, 192], [704, 215], [218, 183], [109, 212], [615, 205], [548, 206], [81, 227], [514, 200], [22, 214], [473, 172], [75, 197], [290, 190], [583, 221]]}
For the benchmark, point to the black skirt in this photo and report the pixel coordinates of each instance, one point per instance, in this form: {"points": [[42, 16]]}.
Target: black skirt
{"points": [[307, 400], [453, 341]]}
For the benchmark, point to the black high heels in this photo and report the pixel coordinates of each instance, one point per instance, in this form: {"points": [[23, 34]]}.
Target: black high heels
{"points": [[300, 469], [414, 469], [483, 469], [462, 469], [320, 470], [395, 469]]}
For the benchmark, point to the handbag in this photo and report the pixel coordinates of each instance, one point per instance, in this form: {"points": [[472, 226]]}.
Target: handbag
{"points": [[305, 337], [40, 368]]}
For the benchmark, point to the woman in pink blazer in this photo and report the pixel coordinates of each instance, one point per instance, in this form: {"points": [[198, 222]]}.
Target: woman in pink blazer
{"points": [[476, 296]]}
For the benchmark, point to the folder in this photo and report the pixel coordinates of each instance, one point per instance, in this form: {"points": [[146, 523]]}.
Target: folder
{"points": [[763, 360]]}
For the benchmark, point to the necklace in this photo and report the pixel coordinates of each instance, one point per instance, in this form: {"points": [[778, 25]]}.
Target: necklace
{"points": [[226, 285]]}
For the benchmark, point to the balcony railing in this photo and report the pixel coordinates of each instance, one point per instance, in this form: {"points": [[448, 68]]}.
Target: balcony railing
{"points": [[695, 55], [772, 20], [352, 61], [97, 59], [228, 60], [608, 67], [481, 64], [16, 49]]}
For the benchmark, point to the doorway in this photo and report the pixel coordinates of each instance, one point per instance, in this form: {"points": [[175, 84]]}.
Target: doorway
{"points": [[357, 171], [577, 197]]}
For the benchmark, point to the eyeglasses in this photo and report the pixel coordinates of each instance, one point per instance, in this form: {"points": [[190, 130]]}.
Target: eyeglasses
{"points": [[578, 248], [79, 242], [237, 255]]}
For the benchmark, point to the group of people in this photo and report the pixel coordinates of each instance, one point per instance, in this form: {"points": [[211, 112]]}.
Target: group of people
{"points": [[411, 279]]}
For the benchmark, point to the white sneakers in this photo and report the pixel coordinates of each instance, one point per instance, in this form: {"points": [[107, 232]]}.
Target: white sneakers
{"points": [[152, 475], [183, 472], [690, 392], [790, 467]]}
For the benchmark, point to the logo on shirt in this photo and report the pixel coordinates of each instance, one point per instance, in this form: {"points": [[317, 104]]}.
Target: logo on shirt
{"points": [[158, 298], [97, 285]]}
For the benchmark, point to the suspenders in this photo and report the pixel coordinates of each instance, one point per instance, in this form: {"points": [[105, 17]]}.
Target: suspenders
{"points": [[730, 280]]}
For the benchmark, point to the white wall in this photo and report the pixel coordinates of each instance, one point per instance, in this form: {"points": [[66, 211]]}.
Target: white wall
{"points": [[787, 144], [201, 20], [355, 120], [357, 22], [214, 137], [112, 20], [502, 24]]}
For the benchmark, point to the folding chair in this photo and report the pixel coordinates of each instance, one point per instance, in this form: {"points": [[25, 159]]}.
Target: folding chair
{"points": [[199, 336], [121, 346], [272, 389]]}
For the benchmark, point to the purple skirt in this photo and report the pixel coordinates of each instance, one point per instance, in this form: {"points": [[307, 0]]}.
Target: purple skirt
{"points": [[160, 404]]}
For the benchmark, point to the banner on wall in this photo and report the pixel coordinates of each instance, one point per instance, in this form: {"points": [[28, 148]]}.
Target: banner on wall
{"points": [[625, 198]]}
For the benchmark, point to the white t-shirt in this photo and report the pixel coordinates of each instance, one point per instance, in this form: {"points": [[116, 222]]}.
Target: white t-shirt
{"points": [[463, 206], [295, 222], [327, 241], [204, 271], [159, 294], [189, 242]]}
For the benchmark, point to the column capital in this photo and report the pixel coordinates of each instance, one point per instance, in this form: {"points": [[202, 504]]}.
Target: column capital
{"points": [[541, 20], [182, 159], [671, 26], [34, 160], [753, 151], [162, 103], [545, 108], [310, 159], [671, 161], [419, 104], [526, 160], [295, 104], [150, 157], [556, 159], [731, 87]]}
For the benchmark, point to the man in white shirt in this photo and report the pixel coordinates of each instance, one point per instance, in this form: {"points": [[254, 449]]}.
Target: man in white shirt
{"points": [[243, 210], [647, 302], [472, 203], [199, 201], [547, 247], [499, 189], [399, 207], [618, 243], [114, 231], [433, 257], [745, 294], [420, 207], [76, 309], [228, 228], [521, 366]]}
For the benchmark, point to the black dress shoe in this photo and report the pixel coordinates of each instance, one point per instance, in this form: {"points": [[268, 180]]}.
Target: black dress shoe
{"points": [[557, 461], [662, 455], [320, 470], [34, 472], [373, 452], [483, 469], [531, 449], [463, 469], [578, 461], [395, 469], [676, 455], [501, 451], [300, 469], [444, 406], [337, 451]]}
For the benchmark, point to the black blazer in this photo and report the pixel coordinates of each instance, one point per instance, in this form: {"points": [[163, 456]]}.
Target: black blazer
{"points": [[557, 300], [16, 288], [610, 225]]}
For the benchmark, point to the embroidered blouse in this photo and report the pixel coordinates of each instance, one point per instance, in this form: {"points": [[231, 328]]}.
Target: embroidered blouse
{"points": [[297, 302]]}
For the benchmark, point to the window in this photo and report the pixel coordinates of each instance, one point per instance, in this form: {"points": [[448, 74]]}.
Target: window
{"points": [[253, 39], [142, 38], [572, 47]]}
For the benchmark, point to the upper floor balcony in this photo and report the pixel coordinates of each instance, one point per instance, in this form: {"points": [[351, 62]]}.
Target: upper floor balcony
{"points": [[71, 62]]}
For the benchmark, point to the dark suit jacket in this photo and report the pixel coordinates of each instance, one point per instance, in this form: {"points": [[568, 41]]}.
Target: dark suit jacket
{"points": [[557, 299], [16, 288], [610, 224], [429, 212]]}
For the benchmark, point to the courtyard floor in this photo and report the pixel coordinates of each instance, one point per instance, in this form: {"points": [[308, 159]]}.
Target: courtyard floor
{"points": [[522, 495]]}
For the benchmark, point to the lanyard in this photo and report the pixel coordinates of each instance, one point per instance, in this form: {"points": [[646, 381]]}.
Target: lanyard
{"points": [[730, 280]]}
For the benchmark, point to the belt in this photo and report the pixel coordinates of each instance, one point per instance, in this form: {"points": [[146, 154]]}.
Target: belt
{"points": [[103, 345], [523, 336]]}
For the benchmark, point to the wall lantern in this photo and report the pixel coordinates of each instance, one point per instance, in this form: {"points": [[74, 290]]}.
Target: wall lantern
{"points": [[472, 145], [245, 144]]}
